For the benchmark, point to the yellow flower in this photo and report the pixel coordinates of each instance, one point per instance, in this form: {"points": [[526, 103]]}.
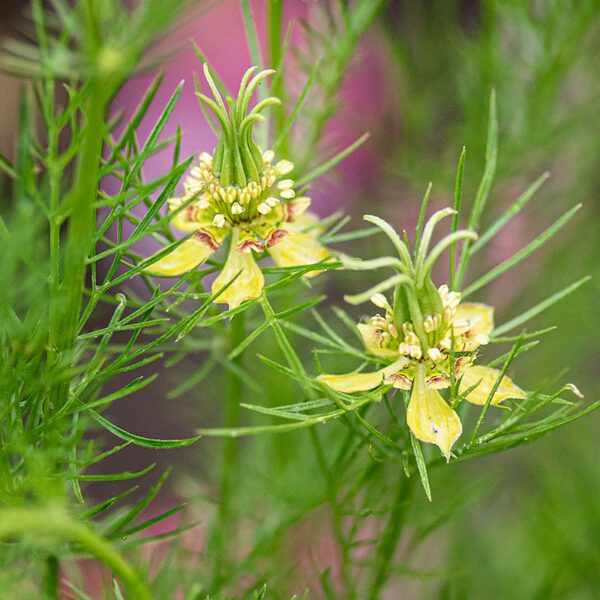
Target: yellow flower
{"points": [[248, 284], [424, 370], [427, 337], [184, 258], [362, 382], [276, 228], [481, 380], [429, 417], [240, 191], [298, 248]]}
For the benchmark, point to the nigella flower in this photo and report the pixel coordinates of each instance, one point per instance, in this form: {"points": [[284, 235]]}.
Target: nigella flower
{"points": [[240, 193], [428, 338]]}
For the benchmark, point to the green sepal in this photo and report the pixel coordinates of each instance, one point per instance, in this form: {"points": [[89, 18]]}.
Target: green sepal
{"points": [[218, 158], [429, 298], [401, 311]]}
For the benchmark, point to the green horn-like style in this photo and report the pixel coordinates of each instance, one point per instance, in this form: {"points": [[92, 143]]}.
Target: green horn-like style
{"points": [[237, 158]]}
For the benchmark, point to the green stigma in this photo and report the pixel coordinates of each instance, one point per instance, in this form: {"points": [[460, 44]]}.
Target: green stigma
{"points": [[237, 158]]}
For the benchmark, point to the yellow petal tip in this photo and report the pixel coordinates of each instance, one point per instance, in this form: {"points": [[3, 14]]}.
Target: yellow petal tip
{"points": [[187, 256], [484, 379], [430, 418], [248, 280]]}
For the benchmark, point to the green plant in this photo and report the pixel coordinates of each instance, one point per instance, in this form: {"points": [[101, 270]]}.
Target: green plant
{"points": [[85, 324]]}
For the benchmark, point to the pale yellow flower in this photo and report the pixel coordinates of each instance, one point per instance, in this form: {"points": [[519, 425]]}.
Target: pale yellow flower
{"points": [[249, 283], [467, 326], [429, 417], [240, 191], [482, 380], [278, 229], [300, 248]]}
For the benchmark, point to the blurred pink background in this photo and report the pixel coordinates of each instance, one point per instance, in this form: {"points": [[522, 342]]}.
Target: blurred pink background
{"points": [[219, 33]]}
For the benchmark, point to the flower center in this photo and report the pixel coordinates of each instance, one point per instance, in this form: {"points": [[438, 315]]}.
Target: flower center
{"points": [[385, 337], [233, 204]]}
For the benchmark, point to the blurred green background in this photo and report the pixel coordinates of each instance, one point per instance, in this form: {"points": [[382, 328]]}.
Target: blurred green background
{"points": [[536, 533]]}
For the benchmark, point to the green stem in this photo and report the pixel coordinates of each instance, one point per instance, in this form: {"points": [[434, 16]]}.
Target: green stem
{"points": [[55, 523], [497, 383], [295, 363], [349, 591], [384, 553], [274, 24], [54, 179], [223, 535], [290, 355], [66, 304], [50, 578]]}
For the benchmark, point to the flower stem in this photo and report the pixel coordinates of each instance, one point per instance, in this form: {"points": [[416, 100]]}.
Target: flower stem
{"points": [[223, 535], [67, 299], [55, 523], [384, 553], [50, 577], [332, 491]]}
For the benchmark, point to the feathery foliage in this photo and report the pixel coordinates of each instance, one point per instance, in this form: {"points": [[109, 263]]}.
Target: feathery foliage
{"points": [[85, 328]]}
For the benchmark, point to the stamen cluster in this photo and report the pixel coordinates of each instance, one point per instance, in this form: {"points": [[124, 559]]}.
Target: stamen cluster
{"points": [[234, 204], [446, 333]]}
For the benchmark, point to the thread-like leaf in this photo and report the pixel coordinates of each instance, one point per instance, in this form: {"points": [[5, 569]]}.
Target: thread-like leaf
{"points": [[139, 440], [538, 308], [523, 253]]}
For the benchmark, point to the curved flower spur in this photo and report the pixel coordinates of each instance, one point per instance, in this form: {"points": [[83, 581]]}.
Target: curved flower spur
{"points": [[240, 192], [428, 337]]}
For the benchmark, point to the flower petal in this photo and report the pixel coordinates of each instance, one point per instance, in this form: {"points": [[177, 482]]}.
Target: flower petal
{"points": [[430, 418], [184, 258], [377, 341], [485, 378], [247, 286], [298, 249], [185, 219], [353, 382], [437, 381], [189, 218], [295, 208], [480, 317], [248, 241], [362, 382], [400, 381], [306, 220]]}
